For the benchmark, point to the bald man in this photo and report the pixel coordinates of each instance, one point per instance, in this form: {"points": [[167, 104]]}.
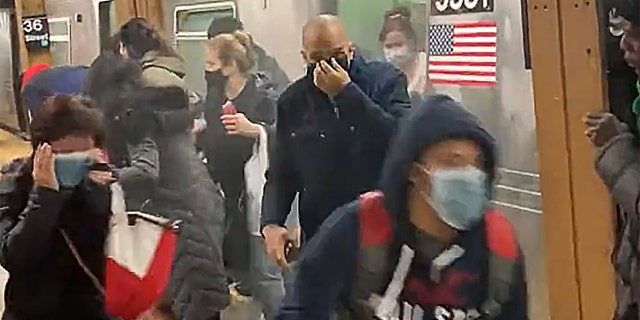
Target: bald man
{"points": [[333, 129]]}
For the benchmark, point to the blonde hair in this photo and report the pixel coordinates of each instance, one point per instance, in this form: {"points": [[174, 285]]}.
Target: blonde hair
{"points": [[236, 46]]}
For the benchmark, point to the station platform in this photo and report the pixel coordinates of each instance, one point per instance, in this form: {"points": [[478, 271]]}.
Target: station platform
{"points": [[12, 146]]}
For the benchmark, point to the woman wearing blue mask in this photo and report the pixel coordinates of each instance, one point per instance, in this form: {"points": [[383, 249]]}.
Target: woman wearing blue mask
{"points": [[400, 46], [56, 207]]}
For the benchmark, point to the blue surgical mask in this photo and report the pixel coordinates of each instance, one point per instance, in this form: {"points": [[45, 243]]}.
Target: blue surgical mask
{"points": [[71, 168], [459, 196]]}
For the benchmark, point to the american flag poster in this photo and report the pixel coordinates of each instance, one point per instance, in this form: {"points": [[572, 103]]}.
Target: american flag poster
{"points": [[463, 53]]}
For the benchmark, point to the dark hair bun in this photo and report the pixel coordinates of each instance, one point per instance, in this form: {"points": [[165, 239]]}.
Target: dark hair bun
{"points": [[139, 37], [399, 12]]}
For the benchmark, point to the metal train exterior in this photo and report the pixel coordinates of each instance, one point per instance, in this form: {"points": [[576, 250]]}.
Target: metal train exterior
{"points": [[506, 109]]}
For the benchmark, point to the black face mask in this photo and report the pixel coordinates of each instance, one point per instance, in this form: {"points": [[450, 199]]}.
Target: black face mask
{"points": [[342, 60], [310, 68], [215, 79]]}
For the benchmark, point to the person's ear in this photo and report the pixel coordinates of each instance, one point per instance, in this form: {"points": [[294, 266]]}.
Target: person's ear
{"points": [[123, 50], [352, 51], [305, 58], [419, 177]]}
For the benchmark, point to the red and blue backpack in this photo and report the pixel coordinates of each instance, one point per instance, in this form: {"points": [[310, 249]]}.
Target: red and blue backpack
{"points": [[376, 237]]}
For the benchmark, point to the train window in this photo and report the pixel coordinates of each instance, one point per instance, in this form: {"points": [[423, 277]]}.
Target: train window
{"points": [[364, 19], [60, 32], [190, 29], [194, 20]]}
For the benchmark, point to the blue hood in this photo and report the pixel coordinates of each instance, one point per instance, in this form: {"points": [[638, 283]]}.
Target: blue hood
{"points": [[435, 119], [47, 83]]}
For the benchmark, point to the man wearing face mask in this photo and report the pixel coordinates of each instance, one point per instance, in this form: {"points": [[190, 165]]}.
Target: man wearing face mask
{"points": [[428, 245], [333, 129], [54, 217]]}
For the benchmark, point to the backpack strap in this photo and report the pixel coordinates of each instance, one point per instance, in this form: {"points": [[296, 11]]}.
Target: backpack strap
{"points": [[375, 223], [150, 65], [503, 256], [376, 235]]}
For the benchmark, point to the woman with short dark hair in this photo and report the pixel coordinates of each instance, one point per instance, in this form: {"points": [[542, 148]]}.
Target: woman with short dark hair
{"points": [[161, 65]]}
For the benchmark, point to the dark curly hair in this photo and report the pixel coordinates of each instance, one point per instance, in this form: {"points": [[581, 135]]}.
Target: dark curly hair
{"points": [[398, 19], [64, 115], [112, 82], [139, 37]]}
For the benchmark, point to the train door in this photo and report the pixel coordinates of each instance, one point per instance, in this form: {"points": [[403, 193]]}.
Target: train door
{"points": [[568, 79], [11, 118], [189, 24], [60, 37]]}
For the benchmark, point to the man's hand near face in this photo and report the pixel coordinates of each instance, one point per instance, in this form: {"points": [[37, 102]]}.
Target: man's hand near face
{"points": [[331, 79]]}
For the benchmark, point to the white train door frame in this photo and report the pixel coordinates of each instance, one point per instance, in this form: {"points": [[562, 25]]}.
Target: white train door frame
{"points": [[60, 36], [96, 14]]}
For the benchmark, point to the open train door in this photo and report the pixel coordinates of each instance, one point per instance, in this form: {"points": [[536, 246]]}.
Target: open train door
{"points": [[569, 62], [12, 118]]}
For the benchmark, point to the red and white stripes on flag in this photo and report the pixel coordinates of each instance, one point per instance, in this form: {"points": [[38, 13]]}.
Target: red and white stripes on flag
{"points": [[463, 53]]}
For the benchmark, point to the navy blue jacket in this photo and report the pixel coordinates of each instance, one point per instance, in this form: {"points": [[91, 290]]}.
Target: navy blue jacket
{"points": [[57, 80], [329, 262], [330, 152]]}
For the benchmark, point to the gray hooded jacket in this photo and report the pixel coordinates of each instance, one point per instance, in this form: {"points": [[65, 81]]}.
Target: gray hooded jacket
{"points": [[618, 166]]}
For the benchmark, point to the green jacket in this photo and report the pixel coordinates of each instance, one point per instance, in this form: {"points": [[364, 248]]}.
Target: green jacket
{"points": [[162, 71]]}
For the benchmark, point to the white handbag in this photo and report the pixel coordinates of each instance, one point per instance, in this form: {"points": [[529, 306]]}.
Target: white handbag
{"points": [[254, 175]]}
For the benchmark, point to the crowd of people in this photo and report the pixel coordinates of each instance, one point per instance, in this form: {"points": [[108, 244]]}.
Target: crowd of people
{"points": [[394, 182]]}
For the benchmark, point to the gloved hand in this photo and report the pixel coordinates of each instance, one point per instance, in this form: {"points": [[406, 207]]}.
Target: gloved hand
{"points": [[602, 126]]}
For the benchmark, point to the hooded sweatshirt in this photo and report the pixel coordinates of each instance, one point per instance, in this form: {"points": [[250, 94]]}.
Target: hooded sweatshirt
{"points": [[330, 262], [41, 84], [162, 71]]}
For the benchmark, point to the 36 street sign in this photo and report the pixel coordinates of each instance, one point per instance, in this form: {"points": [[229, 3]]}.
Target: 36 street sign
{"points": [[36, 32], [448, 7]]}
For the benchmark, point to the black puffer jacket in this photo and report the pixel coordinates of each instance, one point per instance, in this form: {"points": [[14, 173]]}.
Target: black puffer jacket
{"points": [[163, 175], [227, 157]]}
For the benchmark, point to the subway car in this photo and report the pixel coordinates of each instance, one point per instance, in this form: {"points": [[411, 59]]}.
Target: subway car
{"points": [[505, 104]]}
